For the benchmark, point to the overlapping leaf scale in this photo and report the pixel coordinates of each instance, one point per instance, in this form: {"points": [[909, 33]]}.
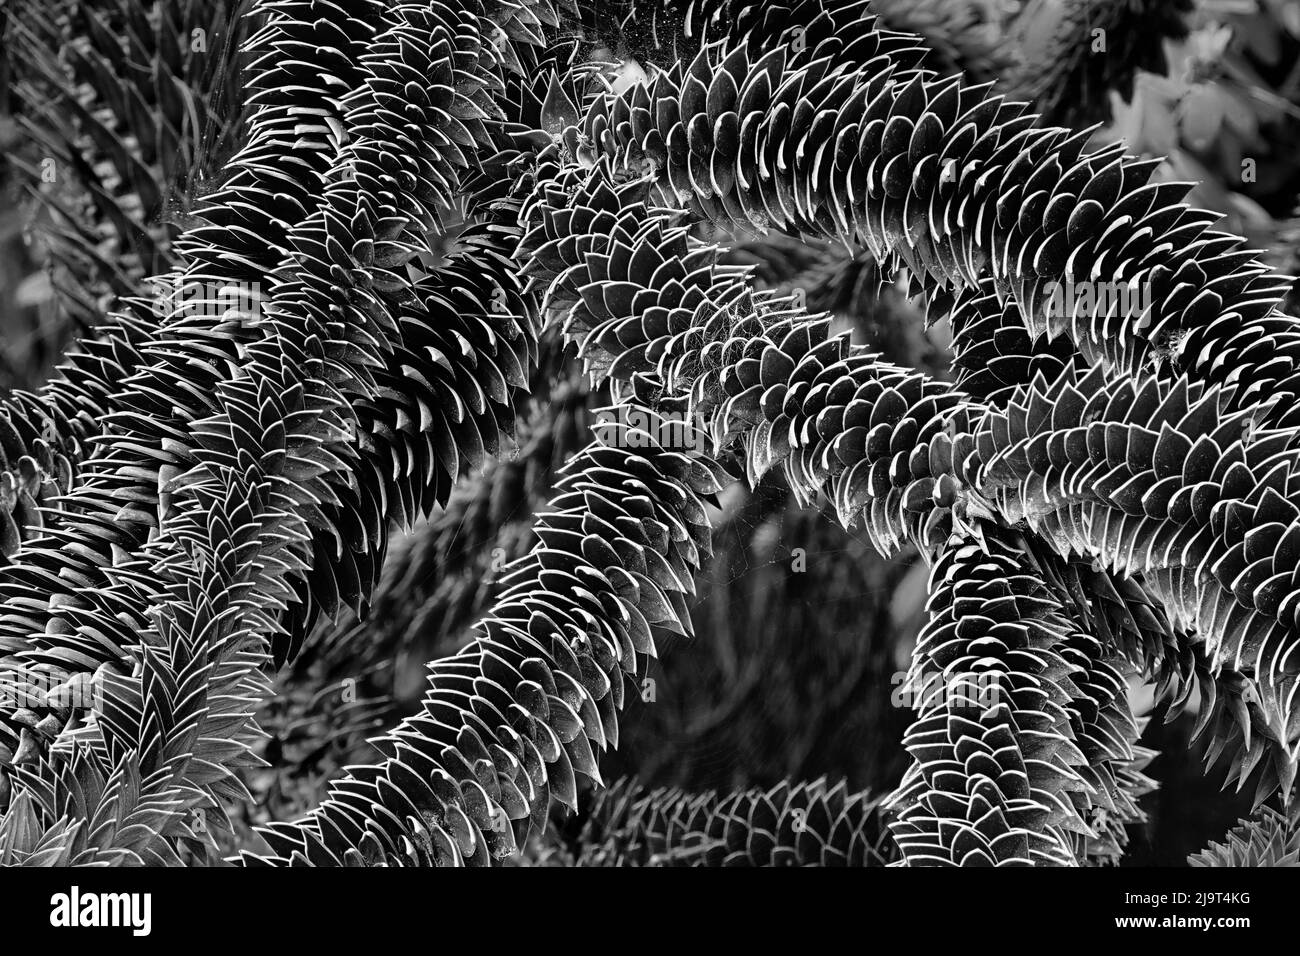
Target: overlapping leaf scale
{"points": [[437, 581], [103, 364], [1268, 838], [305, 59], [277, 472], [685, 168], [1121, 629], [300, 292], [1121, 611], [105, 360], [151, 406], [99, 820], [509, 720], [440, 577], [1231, 721], [115, 505], [1173, 481], [434, 380], [641, 297], [444, 398], [679, 363], [35, 466], [805, 823], [1110, 837], [877, 439], [402, 430], [201, 598], [992, 351], [1023, 738], [159, 745], [348, 323], [1128, 629], [84, 389], [956, 183], [292, 133], [135, 104], [53, 596]]}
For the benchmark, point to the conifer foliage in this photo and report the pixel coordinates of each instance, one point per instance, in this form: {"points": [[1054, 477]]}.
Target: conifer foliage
{"points": [[412, 330]]}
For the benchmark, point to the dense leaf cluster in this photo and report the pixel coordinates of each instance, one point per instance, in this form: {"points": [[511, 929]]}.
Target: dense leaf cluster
{"points": [[498, 356]]}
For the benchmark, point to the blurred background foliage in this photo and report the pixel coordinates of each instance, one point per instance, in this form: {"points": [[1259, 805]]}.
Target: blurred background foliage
{"points": [[117, 113]]}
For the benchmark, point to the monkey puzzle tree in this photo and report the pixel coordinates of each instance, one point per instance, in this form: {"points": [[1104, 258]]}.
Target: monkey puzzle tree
{"points": [[422, 207]]}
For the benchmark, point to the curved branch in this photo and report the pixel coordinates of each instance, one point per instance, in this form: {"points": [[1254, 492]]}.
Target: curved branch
{"points": [[508, 721], [835, 133], [792, 824]]}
